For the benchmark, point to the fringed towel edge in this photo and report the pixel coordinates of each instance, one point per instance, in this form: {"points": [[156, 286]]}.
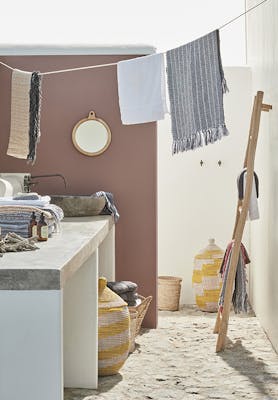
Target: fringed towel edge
{"points": [[199, 138], [34, 115]]}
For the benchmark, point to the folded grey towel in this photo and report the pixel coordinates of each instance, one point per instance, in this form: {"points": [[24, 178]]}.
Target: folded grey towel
{"points": [[122, 287], [196, 84], [129, 296], [27, 196]]}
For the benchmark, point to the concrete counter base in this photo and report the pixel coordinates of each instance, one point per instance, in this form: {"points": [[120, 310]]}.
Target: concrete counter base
{"points": [[49, 325]]}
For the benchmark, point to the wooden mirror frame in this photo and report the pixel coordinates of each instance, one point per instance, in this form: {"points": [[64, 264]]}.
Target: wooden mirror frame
{"points": [[91, 116]]}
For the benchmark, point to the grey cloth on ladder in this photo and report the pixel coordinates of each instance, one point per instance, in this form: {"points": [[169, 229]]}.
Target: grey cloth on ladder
{"points": [[240, 297], [109, 207], [196, 85]]}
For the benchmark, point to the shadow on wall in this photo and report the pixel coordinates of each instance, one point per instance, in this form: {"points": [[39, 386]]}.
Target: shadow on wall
{"points": [[243, 361]]}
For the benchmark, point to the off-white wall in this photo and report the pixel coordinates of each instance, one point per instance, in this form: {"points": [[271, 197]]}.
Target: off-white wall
{"points": [[263, 58], [194, 202], [163, 24]]}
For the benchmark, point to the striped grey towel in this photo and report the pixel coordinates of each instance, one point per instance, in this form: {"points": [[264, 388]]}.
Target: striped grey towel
{"points": [[196, 84]]}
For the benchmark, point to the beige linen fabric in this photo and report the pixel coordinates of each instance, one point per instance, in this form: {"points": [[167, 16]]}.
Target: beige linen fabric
{"points": [[20, 104]]}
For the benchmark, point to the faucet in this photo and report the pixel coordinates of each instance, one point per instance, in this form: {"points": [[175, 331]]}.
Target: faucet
{"points": [[28, 180]]}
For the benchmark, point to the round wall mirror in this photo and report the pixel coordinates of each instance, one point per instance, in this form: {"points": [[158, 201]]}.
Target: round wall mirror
{"points": [[91, 136]]}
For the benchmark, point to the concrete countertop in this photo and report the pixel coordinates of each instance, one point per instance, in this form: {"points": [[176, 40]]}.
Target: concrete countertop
{"points": [[49, 267]]}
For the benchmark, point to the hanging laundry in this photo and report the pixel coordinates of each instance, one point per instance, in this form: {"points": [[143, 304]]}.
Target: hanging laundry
{"points": [[253, 211], [35, 111], [20, 104], [240, 297], [25, 115], [196, 85], [142, 89]]}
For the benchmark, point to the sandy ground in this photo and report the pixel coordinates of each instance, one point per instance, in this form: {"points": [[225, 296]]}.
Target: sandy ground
{"points": [[178, 361]]}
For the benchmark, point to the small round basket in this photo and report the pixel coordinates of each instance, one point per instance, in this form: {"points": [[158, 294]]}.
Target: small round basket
{"points": [[169, 288]]}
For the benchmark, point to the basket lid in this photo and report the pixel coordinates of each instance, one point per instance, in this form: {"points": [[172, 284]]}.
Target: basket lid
{"points": [[106, 297], [211, 250]]}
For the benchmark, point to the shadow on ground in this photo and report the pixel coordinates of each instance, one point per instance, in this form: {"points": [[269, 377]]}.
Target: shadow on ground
{"points": [[243, 361], [105, 384]]}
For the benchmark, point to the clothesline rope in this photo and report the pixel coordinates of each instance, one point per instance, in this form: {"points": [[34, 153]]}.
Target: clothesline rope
{"points": [[115, 63]]}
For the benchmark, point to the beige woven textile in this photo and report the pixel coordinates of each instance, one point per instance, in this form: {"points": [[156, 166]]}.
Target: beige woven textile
{"points": [[20, 104]]}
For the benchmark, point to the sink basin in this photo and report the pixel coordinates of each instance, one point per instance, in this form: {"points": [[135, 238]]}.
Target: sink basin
{"points": [[79, 206]]}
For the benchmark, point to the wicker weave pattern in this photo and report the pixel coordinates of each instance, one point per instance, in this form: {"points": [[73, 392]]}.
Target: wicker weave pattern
{"points": [[206, 279], [133, 319], [113, 331], [169, 288], [141, 309]]}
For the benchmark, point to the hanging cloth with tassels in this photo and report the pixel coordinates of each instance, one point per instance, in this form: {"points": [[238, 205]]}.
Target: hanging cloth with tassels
{"points": [[25, 115], [240, 297], [196, 85]]}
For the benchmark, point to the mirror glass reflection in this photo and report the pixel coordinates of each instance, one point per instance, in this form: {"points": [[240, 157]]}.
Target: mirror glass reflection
{"points": [[91, 136]]}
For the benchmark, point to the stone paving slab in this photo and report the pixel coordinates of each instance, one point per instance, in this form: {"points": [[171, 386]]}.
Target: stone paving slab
{"points": [[178, 361]]}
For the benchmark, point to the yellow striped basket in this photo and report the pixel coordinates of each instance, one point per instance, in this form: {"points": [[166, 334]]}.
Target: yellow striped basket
{"points": [[113, 330], [206, 279]]}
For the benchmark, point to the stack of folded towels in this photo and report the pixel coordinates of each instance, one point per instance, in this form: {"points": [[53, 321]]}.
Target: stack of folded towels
{"points": [[126, 290], [15, 213]]}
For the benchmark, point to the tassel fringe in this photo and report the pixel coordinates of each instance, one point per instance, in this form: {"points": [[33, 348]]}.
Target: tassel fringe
{"points": [[225, 88], [199, 138], [34, 115]]}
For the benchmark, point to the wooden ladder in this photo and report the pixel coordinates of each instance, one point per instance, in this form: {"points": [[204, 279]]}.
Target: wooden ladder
{"points": [[222, 320]]}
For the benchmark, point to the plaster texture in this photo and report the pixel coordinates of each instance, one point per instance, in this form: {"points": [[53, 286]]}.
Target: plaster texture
{"points": [[128, 168], [178, 361], [262, 56], [57, 259]]}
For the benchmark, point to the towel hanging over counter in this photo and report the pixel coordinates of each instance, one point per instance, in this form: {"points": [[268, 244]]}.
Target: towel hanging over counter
{"points": [[25, 115], [142, 89], [196, 85], [110, 207]]}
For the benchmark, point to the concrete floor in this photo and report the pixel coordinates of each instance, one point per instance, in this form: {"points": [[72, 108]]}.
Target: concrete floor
{"points": [[178, 361]]}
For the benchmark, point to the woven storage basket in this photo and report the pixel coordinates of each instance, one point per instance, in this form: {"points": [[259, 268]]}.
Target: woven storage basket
{"points": [[206, 279], [169, 288], [141, 309], [113, 330], [133, 319]]}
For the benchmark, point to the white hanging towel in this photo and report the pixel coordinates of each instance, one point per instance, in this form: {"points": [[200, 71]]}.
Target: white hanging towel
{"points": [[20, 104], [253, 211], [142, 89]]}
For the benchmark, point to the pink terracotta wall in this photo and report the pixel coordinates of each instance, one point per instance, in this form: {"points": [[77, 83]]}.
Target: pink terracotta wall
{"points": [[127, 168]]}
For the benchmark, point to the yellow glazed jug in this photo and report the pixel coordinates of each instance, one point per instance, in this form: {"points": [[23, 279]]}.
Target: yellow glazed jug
{"points": [[113, 330], [206, 279]]}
